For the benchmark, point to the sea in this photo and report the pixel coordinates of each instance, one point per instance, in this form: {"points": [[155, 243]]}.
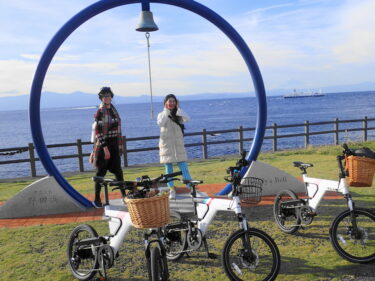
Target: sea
{"points": [[66, 125]]}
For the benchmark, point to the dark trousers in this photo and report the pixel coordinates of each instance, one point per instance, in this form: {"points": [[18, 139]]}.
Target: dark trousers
{"points": [[113, 164]]}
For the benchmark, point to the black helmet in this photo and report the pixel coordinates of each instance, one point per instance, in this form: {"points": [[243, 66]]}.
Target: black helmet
{"points": [[105, 90]]}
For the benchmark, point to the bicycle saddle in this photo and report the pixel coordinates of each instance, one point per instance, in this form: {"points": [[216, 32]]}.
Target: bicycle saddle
{"points": [[195, 182], [302, 165], [101, 179], [98, 179]]}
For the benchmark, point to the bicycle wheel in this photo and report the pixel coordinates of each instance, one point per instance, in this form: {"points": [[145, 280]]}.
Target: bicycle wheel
{"points": [[82, 259], [263, 261], [355, 247], [159, 267], [175, 238], [286, 218]]}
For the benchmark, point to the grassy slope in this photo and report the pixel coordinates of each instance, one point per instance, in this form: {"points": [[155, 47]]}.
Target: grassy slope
{"points": [[38, 253]]}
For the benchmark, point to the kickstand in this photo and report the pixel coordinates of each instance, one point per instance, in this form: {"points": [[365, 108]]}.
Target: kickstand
{"points": [[209, 255]]}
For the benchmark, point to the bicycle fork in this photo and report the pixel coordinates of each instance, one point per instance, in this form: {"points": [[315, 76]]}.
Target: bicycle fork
{"points": [[353, 230], [247, 253], [161, 247]]}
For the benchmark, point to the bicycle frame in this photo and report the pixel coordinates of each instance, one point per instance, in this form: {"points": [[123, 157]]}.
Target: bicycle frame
{"points": [[207, 208], [119, 225], [317, 188]]}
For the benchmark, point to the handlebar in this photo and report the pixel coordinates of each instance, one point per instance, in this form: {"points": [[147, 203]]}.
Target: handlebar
{"points": [[145, 181], [347, 151], [167, 177], [234, 172], [242, 162]]}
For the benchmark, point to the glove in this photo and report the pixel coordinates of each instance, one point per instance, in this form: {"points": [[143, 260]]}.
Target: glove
{"points": [[174, 111], [174, 118]]}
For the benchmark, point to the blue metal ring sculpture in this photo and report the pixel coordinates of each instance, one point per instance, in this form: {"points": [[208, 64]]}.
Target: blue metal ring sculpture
{"points": [[99, 7]]}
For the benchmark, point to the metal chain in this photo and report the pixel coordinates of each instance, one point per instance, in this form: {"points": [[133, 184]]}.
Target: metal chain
{"points": [[147, 34], [21, 150]]}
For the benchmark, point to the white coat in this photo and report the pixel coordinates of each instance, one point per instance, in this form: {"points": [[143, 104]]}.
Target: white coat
{"points": [[171, 142]]}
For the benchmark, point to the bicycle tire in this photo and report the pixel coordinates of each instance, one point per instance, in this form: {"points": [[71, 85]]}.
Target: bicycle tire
{"points": [[81, 260], [281, 215], [262, 265], [159, 268], [359, 249], [176, 241]]}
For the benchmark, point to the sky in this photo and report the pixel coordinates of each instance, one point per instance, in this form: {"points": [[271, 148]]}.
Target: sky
{"points": [[304, 44]]}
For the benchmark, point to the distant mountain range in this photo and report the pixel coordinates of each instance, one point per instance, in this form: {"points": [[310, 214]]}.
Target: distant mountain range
{"points": [[81, 99]]}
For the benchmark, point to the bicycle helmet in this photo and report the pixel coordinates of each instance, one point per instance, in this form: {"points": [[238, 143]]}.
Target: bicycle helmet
{"points": [[105, 90]]}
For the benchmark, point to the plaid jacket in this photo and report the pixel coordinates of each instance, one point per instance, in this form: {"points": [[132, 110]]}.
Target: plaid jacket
{"points": [[104, 129]]}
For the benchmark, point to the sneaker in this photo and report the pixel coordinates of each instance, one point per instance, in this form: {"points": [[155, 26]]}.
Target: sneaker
{"points": [[172, 194], [97, 204]]}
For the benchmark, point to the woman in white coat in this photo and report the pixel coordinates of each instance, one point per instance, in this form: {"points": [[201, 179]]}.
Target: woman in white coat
{"points": [[171, 143]]}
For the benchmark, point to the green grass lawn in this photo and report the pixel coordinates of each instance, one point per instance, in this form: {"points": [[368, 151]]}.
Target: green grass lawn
{"points": [[39, 252]]}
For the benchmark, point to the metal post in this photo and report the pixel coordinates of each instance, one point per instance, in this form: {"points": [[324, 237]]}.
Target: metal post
{"points": [[365, 128], [241, 139], [274, 128], [307, 133], [336, 129], [80, 156], [204, 141], [125, 147], [32, 160]]}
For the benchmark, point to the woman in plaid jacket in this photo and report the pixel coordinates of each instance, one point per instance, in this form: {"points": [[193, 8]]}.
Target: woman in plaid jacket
{"points": [[108, 145]]}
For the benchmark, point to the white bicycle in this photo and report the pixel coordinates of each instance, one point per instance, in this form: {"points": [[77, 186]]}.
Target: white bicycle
{"points": [[89, 253], [249, 253], [352, 232]]}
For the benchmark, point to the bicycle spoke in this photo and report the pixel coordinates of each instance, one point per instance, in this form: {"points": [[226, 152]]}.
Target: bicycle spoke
{"points": [[360, 244], [261, 263]]}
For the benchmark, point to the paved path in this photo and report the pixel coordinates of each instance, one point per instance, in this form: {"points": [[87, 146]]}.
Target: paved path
{"points": [[182, 198]]}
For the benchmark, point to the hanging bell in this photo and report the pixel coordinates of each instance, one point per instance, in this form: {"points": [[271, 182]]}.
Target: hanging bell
{"points": [[146, 23]]}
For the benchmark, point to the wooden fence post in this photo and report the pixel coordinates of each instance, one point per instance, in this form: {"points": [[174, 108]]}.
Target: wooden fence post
{"points": [[204, 141], [336, 129], [274, 142], [307, 133], [32, 160], [241, 139], [80, 156], [365, 126], [125, 148]]}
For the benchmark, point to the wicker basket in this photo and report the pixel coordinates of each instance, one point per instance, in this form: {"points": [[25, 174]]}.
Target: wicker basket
{"points": [[251, 190], [360, 170], [150, 212]]}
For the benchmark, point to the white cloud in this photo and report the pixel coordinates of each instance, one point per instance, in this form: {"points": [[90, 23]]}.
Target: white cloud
{"points": [[30, 56], [311, 41], [16, 76], [356, 35]]}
